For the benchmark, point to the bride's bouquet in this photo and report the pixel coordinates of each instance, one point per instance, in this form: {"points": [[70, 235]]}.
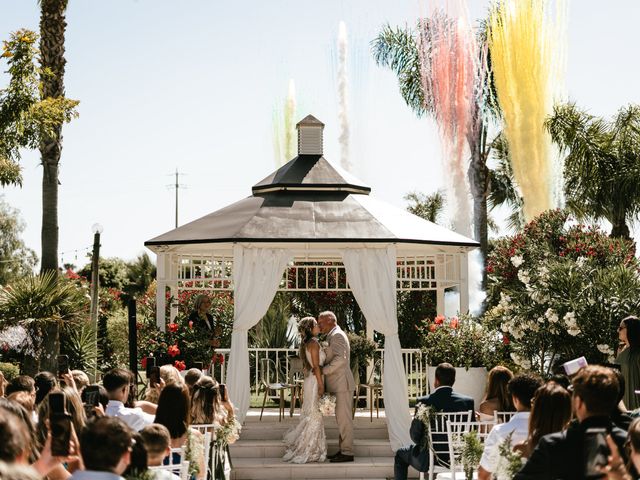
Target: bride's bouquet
{"points": [[327, 405]]}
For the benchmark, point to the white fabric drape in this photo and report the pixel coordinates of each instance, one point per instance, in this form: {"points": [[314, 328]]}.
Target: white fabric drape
{"points": [[371, 273], [256, 276]]}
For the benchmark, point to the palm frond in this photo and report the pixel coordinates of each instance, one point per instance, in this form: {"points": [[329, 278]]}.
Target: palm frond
{"points": [[397, 50], [429, 207]]}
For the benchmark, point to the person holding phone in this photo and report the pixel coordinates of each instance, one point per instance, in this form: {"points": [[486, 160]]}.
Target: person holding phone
{"points": [[580, 451]]}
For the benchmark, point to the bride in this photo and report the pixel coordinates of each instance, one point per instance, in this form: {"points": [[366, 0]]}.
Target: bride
{"points": [[306, 441]]}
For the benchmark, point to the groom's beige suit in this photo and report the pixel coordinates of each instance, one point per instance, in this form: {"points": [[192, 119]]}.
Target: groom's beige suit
{"points": [[338, 380]]}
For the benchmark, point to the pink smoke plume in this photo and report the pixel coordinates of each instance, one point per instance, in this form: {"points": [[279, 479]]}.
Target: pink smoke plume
{"points": [[452, 74]]}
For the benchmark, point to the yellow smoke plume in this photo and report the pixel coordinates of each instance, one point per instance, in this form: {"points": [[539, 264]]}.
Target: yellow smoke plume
{"points": [[527, 45]]}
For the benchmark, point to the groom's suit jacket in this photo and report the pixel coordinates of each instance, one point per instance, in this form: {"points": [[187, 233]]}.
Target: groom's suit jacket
{"points": [[338, 376]]}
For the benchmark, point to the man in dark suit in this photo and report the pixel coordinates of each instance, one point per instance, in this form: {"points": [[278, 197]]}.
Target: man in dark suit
{"points": [[443, 399], [563, 454]]}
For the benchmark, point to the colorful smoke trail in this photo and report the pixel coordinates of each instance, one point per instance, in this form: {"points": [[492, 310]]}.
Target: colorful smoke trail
{"points": [[284, 128], [527, 41], [450, 74], [343, 105]]}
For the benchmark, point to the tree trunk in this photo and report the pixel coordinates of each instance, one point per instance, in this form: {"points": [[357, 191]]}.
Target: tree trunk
{"points": [[52, 29], [478, 174], [619, 228]]}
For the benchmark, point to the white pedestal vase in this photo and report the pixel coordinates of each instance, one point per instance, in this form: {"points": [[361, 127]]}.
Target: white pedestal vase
{"points": [[470, 382]]}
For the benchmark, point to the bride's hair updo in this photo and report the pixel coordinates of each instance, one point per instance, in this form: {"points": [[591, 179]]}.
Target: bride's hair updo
{"points": [[305, 329]]}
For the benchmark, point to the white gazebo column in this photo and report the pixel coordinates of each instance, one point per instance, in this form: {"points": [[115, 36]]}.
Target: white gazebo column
{"points": [[440, 275], [163, 270], [464, 282], [173, 286]]}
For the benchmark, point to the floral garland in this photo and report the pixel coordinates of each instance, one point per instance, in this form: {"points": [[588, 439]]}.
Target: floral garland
{"points": [[229, 432], [425, 414]]}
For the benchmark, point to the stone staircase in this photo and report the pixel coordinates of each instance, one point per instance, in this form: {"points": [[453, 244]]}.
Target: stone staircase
{"points": [[258, 453]]}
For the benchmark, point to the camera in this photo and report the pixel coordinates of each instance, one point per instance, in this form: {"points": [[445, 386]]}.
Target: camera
{"points": [[60, 425]]}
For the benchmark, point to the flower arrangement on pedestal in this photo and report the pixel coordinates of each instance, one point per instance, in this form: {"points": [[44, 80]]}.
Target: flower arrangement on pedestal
{"points": [[558, 291], [461, 341]]}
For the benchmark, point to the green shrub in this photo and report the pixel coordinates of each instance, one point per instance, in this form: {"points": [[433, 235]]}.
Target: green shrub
{"points": [[9, 370]]}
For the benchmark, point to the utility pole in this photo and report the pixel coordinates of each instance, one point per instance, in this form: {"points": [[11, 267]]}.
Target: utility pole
{"points": [[95, 283], [177, 185]]}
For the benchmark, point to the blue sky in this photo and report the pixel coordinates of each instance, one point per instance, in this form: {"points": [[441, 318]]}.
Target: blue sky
{"points": [[194, 84]]}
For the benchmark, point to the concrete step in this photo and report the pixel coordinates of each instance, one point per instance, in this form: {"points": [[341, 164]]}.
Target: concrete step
{"points": [[275, 468], [275, 448]]}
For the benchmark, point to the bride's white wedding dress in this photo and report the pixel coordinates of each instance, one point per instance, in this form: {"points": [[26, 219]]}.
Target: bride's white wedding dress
{"points": [[306, 442]]}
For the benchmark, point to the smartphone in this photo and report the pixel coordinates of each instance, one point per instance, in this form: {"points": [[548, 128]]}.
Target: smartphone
{"points": [[60, 425], [573, 366], [223, 391], [154, 376], [63, 364], [596, 452], [90, 399], [151, 362], [198, 365]]}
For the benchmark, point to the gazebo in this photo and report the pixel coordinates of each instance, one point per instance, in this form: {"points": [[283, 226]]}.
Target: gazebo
{"points": [[310, 226]]}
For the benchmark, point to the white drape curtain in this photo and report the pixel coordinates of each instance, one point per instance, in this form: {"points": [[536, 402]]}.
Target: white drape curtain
{"points": [[371, 273], [256, 276]]}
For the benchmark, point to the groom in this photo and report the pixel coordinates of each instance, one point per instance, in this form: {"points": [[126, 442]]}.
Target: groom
{"points": [[338, 379]]}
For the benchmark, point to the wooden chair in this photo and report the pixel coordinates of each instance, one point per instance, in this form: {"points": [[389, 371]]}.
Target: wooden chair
{"points": [[295, 377], [269, 374], [372, 389]]}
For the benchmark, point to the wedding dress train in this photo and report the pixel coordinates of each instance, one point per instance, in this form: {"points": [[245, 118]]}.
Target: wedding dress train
{"points": [[306, 442]]}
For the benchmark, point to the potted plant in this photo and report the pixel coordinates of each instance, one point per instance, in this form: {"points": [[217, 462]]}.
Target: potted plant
{"points": [[362, 351], [464, 343]]}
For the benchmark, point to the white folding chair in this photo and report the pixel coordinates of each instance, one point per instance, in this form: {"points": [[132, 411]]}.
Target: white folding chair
{"points": [[439, 440], [455, 436], [503, 417], [181, 469]]}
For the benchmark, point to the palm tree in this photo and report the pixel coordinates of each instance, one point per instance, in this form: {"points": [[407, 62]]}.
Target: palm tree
{"points": [[397, 49], [602, 164], [38, 301], [428, 207], [52, 29]]}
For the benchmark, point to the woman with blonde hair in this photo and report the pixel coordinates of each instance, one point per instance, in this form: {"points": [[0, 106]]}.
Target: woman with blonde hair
{"points": [[168, 374], [497, 398], [306, 442]]}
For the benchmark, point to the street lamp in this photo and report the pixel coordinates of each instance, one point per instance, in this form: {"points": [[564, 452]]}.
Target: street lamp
{"points": [[95, 283]]}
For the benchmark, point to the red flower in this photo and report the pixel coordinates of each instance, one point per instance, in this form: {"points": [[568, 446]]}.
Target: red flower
{"points": [[454, 323], [173, 350], [433, 327], [217, 358], [180, 365], [143, 363], [439, 320], [191, 324], [505, 339], [173, 327]]}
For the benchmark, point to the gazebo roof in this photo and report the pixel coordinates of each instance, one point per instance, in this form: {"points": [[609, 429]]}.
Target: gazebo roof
{"points": [[310, 200]]}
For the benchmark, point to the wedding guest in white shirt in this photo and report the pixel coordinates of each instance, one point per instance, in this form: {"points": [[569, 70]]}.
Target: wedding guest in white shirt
{"points": [[105, 445], [117, 382], [522, 389]]}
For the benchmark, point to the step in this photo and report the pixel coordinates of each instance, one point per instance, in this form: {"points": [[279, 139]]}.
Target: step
{"points": [[275, 448], [275, 468]]}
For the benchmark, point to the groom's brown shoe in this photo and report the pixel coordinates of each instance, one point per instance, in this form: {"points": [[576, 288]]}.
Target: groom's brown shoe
{"points": [[342, 458], [331, 457]]}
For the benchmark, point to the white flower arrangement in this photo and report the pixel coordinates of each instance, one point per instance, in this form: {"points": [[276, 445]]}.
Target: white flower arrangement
{"points": [[229, 432], [327, 405], [524, 277], [517, 260]]}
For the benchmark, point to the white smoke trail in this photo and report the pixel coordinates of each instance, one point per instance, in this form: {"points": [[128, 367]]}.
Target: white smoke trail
{"points": [[343, 86]]}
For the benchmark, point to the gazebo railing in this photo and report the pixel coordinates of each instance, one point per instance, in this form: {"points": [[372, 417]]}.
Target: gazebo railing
{"points": [[415, 365]]}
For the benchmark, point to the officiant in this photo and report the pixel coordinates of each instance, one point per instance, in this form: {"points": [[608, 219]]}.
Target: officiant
{"points": [[202, 320]]}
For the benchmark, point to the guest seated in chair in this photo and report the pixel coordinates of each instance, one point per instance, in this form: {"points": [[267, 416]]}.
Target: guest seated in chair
{"points": [[443, 399]]}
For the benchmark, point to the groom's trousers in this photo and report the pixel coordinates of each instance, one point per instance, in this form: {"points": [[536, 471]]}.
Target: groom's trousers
{"points": [[344, 405]]}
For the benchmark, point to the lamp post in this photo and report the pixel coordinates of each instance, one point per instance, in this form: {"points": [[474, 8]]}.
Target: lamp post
{"points": [[95, 283]]}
